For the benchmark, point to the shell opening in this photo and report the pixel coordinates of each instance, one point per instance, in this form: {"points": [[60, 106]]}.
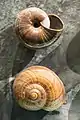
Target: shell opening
{"points": [[55, 22], [36, 23]]}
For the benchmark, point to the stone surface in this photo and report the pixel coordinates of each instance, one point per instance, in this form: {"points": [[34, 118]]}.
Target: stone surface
{"points": [[74, 112], [13, 57]]}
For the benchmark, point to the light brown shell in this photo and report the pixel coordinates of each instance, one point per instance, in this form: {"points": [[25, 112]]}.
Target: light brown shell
{"points": [[28, 25], [35, 28], [38, 87]]}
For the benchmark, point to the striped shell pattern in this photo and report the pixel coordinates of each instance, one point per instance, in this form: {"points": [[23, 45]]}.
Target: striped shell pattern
{"points": [[38, 87]]}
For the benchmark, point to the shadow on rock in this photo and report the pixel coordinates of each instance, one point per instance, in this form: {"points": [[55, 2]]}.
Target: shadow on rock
{"points": [[22, 58], [20, 114], [74, 112], [8, 46], [73, 54], [5, 105]]}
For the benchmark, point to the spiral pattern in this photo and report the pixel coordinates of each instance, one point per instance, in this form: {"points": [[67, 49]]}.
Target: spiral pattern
{"points": [[38, 87], [28, 25]]}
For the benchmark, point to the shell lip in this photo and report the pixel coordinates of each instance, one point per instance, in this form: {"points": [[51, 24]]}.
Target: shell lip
{"points": [[38, 46], [52, 29]]}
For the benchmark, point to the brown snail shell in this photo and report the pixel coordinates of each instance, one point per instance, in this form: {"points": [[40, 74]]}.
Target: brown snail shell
{"points": [[38, 87], [28, 24], [35, 28]]}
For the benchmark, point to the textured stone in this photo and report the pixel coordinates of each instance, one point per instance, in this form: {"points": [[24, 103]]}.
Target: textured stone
{"points": [[68, 10]]}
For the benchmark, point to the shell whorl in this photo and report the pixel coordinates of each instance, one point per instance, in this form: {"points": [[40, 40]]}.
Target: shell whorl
{"points": [[38, 87], [28, 25]]}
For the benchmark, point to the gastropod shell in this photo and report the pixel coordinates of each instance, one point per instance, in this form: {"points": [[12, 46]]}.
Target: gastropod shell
{"points": [[38, 87], [35, 28]]}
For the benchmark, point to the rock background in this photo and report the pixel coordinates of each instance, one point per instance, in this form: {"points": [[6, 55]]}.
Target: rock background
{"points": [[67, 10], [13, 56]]}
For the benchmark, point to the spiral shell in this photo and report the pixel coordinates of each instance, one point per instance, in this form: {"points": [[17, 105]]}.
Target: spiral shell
{"points": [[28, 25], [38, 87], [34, 27]]}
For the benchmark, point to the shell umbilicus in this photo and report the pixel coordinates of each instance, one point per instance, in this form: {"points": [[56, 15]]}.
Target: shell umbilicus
{"points": [[38, 87], [33, 26]]}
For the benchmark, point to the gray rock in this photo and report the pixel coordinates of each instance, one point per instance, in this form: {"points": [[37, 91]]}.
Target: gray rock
{"points": [[69, 11]]}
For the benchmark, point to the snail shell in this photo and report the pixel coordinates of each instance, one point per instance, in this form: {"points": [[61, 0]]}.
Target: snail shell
{"points": [[34, 27], [38, 87], [28, 24]]}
